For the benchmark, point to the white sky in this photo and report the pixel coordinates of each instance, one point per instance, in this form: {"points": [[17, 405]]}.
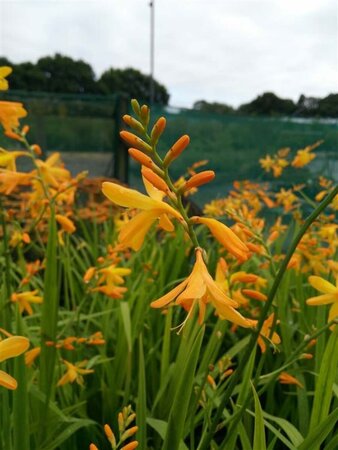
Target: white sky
{"points": [[217, 50]]}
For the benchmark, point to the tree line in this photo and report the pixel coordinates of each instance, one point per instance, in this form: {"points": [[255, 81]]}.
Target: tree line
{"points": [[62, 74], [269, 104]]}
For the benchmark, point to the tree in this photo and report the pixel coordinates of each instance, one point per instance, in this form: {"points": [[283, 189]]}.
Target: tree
{"points": [[134, 83], [268, 104], [63, 74], [217, 108], [328, 106]]}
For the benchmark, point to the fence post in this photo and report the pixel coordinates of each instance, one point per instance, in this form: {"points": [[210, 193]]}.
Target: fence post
{"points": [[121, 157]]}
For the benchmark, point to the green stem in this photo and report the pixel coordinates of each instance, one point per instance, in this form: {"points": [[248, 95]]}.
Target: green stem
{"points": [[205, 442]]}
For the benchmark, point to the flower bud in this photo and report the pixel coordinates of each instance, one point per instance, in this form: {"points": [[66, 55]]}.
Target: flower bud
{"points": [[155, 180], [144, 160], [157, 130], [110, 435], [176, 149], [145, 115], [133, 123], [135, 141], [199, 179], [136, 107]]}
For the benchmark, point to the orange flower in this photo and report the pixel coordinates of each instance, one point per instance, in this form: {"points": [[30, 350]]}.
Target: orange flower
{"points": [[10, 113], [266, 332], [199, 289], [286, 378]]}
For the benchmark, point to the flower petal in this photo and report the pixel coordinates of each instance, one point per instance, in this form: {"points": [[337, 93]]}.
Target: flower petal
{"points": [[134, 232], [322, 285], [13, 346], [129, 198], [170, 296], [333, 311], [324, 299], [229, 313], [7, 381]]}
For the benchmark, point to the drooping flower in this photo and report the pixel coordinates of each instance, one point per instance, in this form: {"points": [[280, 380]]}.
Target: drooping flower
{"points": [[133, 233], [329, 295], [225, 237], [9, 348], [200, 289]]}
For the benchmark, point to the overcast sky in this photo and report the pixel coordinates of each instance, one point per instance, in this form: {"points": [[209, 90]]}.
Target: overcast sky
{"points": [[227, 51]]}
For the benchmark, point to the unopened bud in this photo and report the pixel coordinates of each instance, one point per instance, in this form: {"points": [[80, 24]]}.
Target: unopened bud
{"points": [[256, 295], [211, 381], [144, 160], [130, 446], [36, 149], [25, 130], [135, 141], [176, 149], [157, 130], [93, 447], [136, 106], [145, 115], [199, 179], [133, 123], [128, 433], [110, 435], [155, 180]]}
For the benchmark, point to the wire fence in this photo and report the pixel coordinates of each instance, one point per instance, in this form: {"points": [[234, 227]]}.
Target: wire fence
{"points": [[84, 128]]}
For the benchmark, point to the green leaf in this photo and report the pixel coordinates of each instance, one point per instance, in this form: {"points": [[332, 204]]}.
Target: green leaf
{"points": [[325, 381], [290, 430], [259, 432], [319, 433], [125, 311], [141, 406], [178, 412], [160, 426]]}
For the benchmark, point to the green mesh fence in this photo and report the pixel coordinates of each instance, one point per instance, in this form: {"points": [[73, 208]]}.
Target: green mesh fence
{"points": [[233, 146], [85, 128]]}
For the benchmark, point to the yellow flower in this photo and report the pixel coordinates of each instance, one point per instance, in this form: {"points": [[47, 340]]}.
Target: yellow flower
{"points": [[7, 159], [24, 299], [52, 170], [133, 233], [4, 72], [31, 356], [74, 372], [66, 224], [10, 113], [9, 348], [330, 295], [199, 289], [9, 180]]}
